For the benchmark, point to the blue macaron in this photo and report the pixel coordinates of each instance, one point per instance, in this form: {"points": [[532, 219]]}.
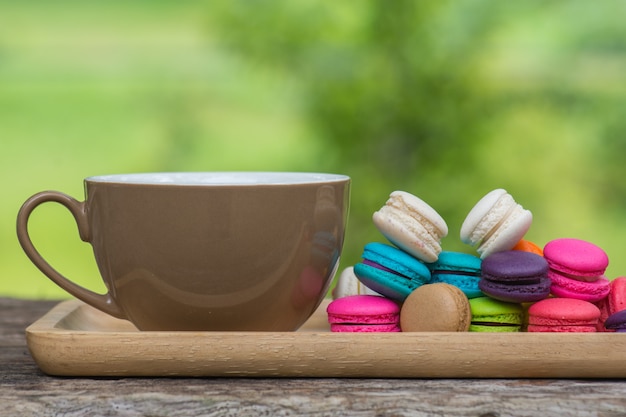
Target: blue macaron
{"points": [[459, 269], [390, 271]]}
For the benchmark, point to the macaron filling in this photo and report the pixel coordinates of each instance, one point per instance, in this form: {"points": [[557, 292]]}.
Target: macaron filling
{"points": [[350, 319], [616, 321], [583, 290], [453, 272], [363, 313], [576, 257], [383, 268], [412, 225], [481, 240], [563, 315], [496, 326], [495, 223], [491, 315], [431, 220], [584, 278]]}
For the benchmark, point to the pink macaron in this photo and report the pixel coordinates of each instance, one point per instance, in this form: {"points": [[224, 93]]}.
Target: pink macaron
{"points": [[563, 315], [614, 302], [617, 295], [577, 269], [363, 313]]}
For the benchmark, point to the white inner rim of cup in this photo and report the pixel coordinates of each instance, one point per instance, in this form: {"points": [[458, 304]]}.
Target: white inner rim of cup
{"points": [[220, 178]]}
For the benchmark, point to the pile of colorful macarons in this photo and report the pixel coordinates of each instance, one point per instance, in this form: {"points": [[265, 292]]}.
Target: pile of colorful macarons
{"points": [[511, 284]]}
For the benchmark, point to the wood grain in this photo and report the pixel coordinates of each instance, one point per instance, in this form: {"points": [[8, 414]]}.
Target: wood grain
{"points": [[25, 391]]}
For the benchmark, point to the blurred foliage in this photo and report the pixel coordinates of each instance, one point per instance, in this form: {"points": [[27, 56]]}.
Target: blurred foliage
{"points": [[444, 99], [380, 81], [408, 94]]}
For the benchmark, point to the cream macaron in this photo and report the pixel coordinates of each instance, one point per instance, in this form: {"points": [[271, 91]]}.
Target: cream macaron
{"points": [[412, 225], [496, 223]]}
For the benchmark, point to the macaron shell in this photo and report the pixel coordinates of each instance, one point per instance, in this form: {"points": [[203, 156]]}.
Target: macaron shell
{"points": [[528, 246], [348, 284], [535, 328], [456, 262], [367, 312], [616, 321], [470, 231], [412, 225], [385, 283], [506, 236], [397, 261], [495, 223], [419, 209], [582, 290], [516, 293], [400, 275], [411, 237], [480, 328], [563, 315], [489, 310], [459, 269], [467, 284], [359, 328], [514, 267], [436, 308], [617, 295], [614, 302], [576, 257]]}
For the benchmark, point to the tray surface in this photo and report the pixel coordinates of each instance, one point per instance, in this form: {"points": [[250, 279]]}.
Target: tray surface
{"points": [[74, 339]]}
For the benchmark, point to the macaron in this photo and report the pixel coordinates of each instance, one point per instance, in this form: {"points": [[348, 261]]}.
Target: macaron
{"points": [[528, 246], [496, 223], [615, 301], [616, 322], [515, 277], [577, 258], [436, 307], [459, 269], [363, 313], [412, 225], [348, 284], [577, 269], [390, 271], [491, 315], [617, 295], [563, 315]]}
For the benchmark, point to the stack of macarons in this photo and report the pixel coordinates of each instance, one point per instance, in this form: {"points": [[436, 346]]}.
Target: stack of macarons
{"points": [[508, 284]]}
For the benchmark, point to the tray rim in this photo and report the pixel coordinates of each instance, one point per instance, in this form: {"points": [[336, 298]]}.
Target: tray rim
{"points": [[60, 351]]}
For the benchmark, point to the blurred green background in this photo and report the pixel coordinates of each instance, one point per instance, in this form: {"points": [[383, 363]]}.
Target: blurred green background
{"points": [[444, 99]]}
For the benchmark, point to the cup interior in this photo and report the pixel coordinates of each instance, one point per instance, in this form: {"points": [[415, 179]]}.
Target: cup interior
{"points": [[219, 178]]}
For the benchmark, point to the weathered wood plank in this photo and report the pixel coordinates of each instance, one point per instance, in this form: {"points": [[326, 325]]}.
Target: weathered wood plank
{"points": [[25, 391]]}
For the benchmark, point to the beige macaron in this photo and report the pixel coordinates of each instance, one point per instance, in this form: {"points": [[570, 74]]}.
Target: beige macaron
{"points": [[412, 225], [437, 307]]}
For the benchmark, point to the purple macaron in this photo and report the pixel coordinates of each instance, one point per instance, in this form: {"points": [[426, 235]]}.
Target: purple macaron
{"points": [[515, 277], [616, 322]]}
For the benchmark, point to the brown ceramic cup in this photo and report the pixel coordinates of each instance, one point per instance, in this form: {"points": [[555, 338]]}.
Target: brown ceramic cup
{"points": [[206, 251]]}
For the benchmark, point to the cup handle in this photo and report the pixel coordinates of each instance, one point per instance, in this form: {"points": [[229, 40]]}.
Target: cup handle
{"points": [[103, 302]]}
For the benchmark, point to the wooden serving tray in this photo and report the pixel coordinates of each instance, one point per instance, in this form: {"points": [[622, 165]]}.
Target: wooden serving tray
{"points": [[74, 339]]}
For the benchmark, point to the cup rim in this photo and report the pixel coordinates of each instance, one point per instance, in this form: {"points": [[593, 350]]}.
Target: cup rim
{"points": [[220, 178]]}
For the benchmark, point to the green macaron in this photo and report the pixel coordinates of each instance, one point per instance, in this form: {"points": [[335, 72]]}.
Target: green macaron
{"points": [[491, 315]]}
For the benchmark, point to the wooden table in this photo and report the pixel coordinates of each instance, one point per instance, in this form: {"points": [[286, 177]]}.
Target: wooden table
{"points": [[26, 391]]}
